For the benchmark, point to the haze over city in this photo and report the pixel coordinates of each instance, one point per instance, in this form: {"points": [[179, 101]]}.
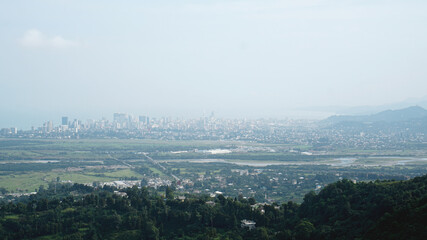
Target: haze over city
{"points": [[213, 119], [237, 58]]}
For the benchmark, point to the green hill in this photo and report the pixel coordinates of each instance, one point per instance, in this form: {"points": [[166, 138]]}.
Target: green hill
{"points": [[342, 210]]}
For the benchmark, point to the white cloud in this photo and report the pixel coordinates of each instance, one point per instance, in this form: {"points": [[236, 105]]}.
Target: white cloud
{"points": [[60, 42], [33, 38]]}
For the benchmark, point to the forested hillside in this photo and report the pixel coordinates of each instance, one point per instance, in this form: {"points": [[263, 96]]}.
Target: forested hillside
{"points": [[343, 210]]}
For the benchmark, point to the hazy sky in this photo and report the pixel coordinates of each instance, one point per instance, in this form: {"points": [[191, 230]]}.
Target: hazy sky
{"points": [[180, 58]]}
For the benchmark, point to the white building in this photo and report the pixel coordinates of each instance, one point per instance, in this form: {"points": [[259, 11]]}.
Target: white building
{"points": [[248, 224]]}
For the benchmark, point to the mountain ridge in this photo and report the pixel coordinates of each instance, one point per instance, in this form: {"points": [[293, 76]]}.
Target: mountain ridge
{"points": [[399, 115]]}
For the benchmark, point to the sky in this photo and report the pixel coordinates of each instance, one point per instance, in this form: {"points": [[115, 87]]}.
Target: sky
{"points": [[254, 58]]}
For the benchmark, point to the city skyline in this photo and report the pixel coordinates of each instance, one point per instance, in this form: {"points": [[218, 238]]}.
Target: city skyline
{"points": [[26, 122]]}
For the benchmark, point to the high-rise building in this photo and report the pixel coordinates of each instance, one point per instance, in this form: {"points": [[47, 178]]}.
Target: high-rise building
{"points": [[122, 119], [75, 124], [143, 119], [65, 121], [49, 126]]}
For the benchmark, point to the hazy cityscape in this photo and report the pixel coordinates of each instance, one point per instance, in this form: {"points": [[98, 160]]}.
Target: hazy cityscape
{"points": [[261, 163], [394, 134], [213, 120]]}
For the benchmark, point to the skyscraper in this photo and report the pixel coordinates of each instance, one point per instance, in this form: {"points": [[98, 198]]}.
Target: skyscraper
{"points": [[143, 119], [49, 126], [122, 119], [65, 121]]}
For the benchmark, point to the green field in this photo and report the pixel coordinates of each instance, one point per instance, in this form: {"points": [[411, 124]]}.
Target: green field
{"points": [[25, 164], [29, 181]]}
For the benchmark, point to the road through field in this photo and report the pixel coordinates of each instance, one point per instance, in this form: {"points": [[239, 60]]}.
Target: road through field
{"points": [[160, 166]]}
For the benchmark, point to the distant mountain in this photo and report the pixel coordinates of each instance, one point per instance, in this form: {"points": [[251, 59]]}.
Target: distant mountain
{"points": [[401, 115], [366, 110]]}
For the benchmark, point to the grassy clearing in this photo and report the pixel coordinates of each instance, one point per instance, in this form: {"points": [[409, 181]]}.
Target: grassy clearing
{"points": [[155, 170], [108, 144], [123, 173], [12, 217], [29, 181], [68, 210]]}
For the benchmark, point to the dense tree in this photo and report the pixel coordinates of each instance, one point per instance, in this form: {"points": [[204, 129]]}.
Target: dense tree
{"points": [[343, 210]]}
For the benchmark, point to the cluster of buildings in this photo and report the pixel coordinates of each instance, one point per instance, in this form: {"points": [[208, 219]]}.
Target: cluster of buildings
{"points": [[123, 184], [297, 132], [126, 125]]}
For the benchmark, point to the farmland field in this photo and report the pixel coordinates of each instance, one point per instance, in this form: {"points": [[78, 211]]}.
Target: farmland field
{"points": [[289, 171]]}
